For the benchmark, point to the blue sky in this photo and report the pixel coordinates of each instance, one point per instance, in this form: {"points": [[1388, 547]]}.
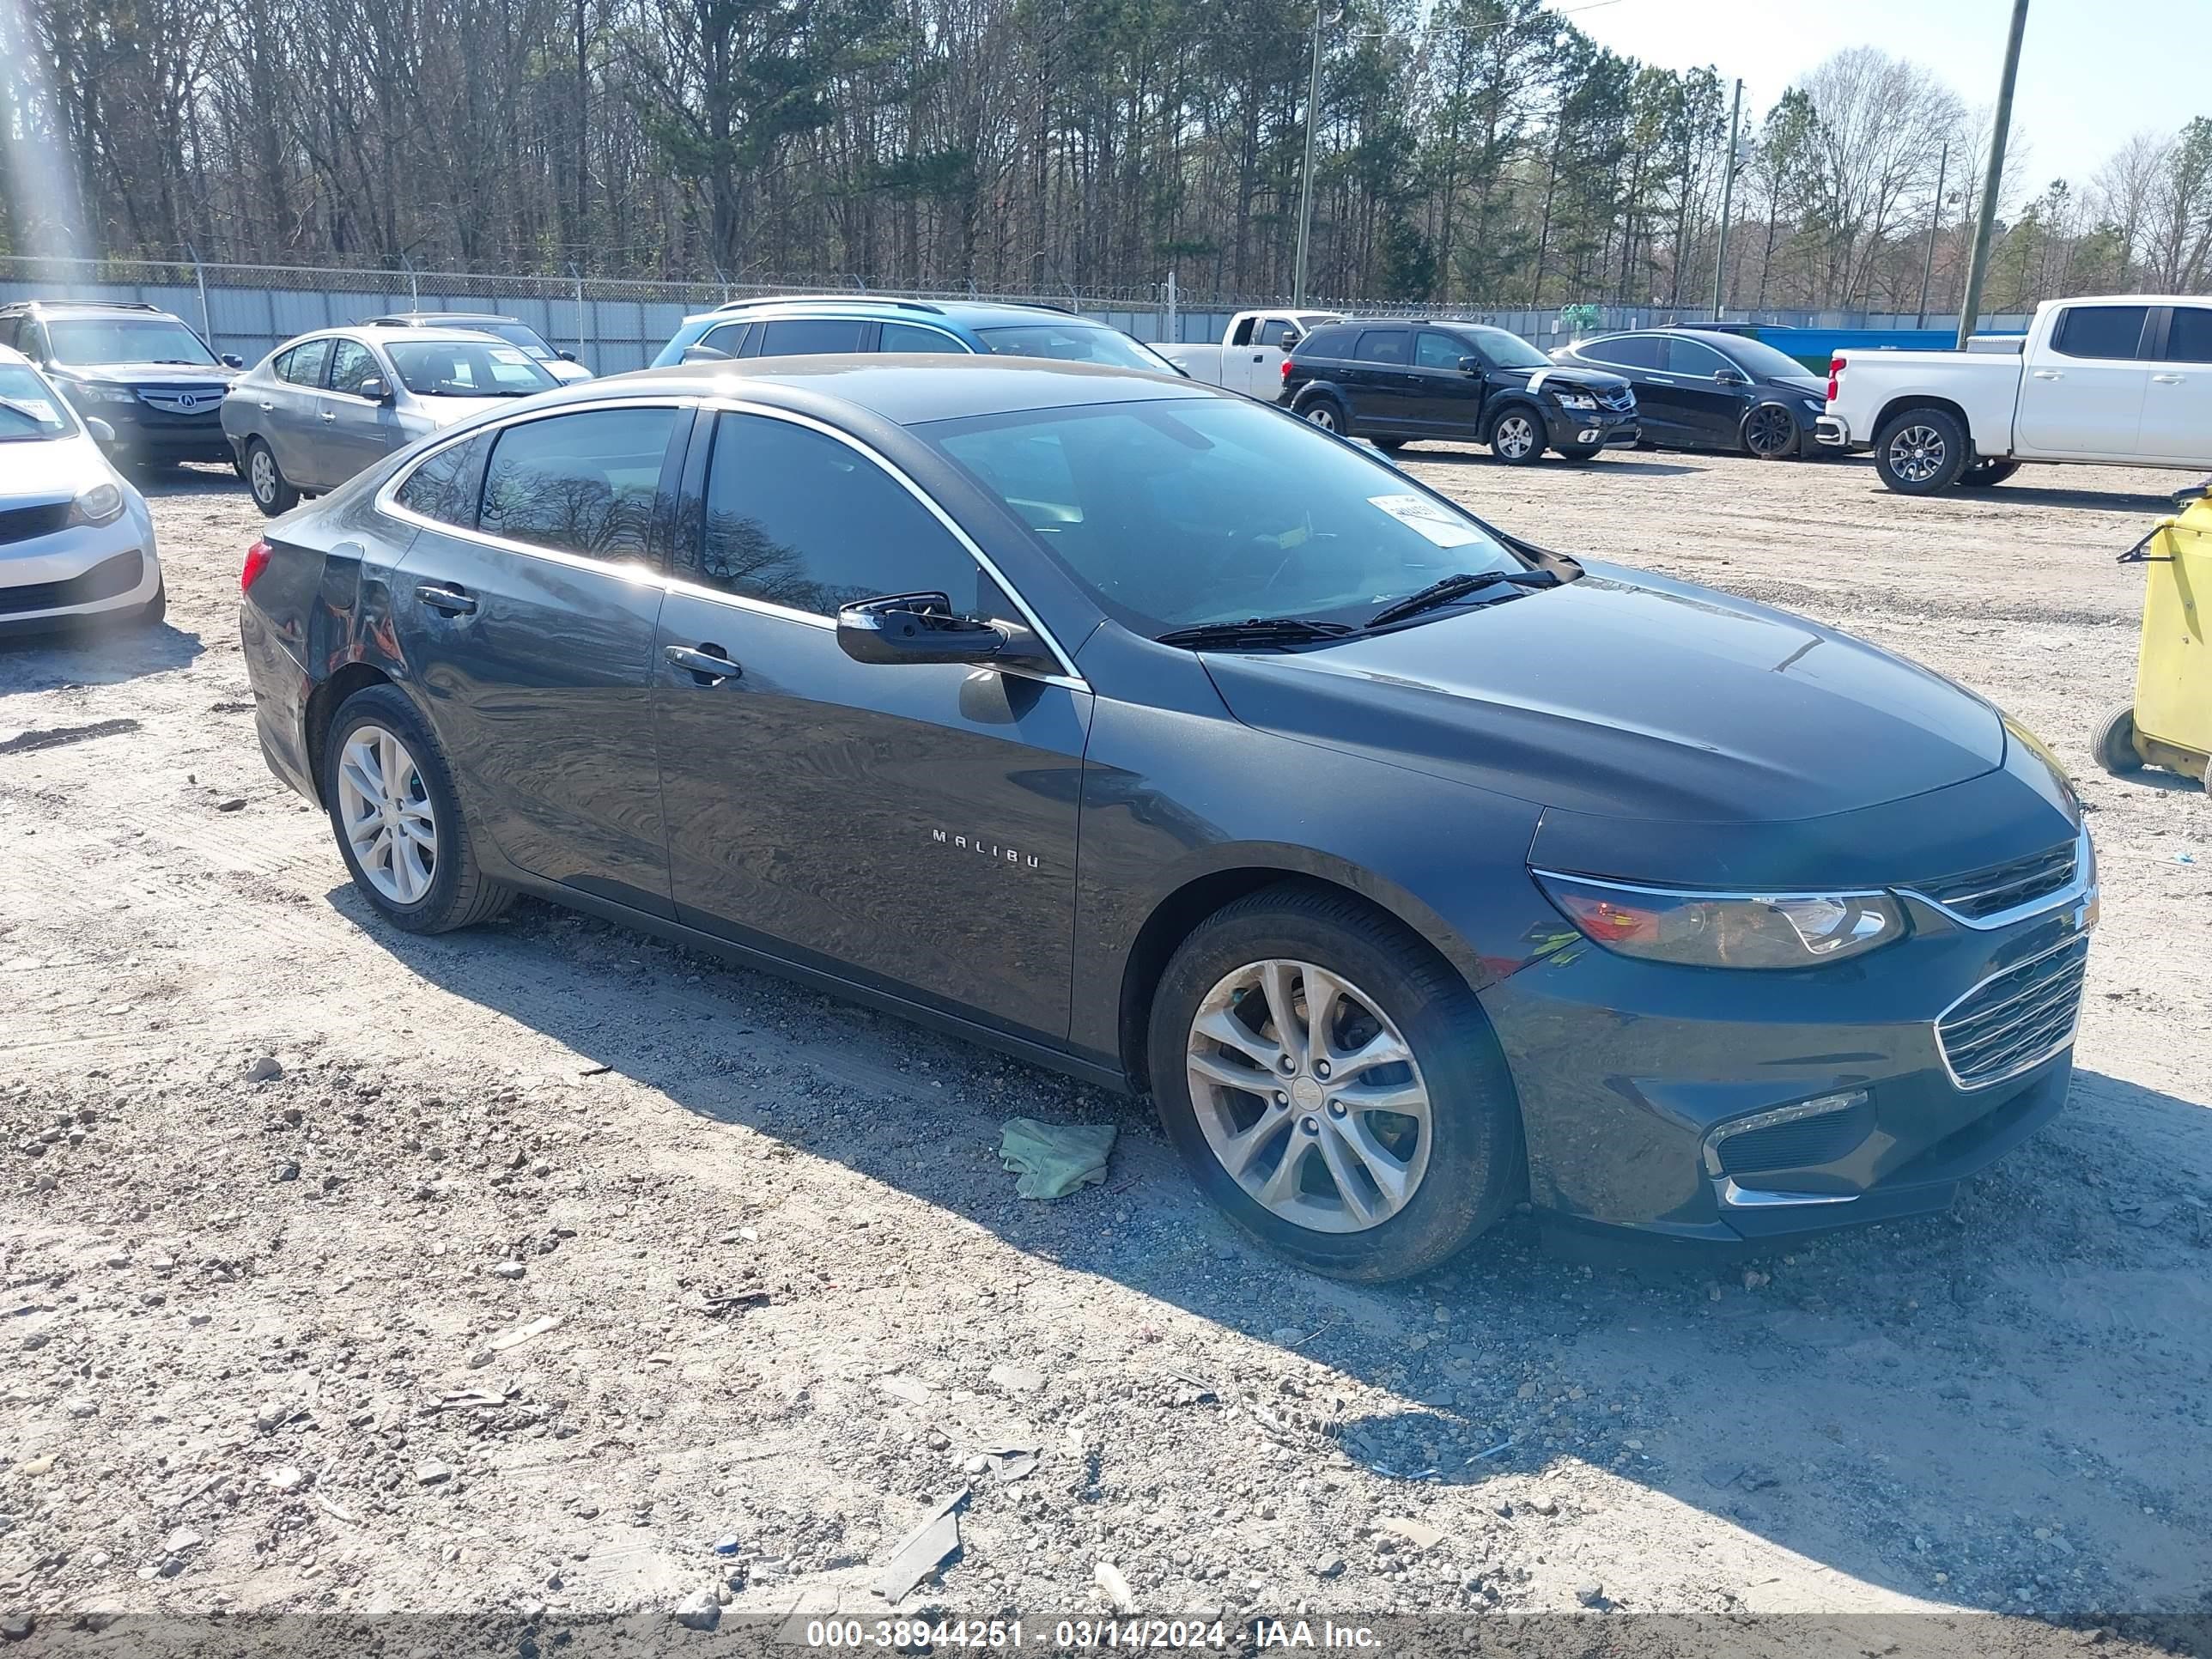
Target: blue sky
{"points": [[2091, 71]]}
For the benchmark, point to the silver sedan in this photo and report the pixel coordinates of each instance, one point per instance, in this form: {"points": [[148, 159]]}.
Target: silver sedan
{"points": [[320, 408]]}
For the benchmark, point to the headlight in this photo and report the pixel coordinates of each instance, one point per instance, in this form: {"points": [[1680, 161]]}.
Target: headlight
{"points": [[101, 504], [102, 394], [1717, 930], [1576, 400]]}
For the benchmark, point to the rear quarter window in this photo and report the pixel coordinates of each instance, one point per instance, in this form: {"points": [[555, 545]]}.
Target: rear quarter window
{"points": [[1335, 343], [446, 484]]}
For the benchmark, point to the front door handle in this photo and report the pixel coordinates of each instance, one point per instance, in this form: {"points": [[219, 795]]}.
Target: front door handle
{"points": [[450, 601], [2050, 375], [2166, 380], [266, 406], [329, 415], [707, 664]]}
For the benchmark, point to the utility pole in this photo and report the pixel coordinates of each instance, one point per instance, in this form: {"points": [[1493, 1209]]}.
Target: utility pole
{"points": [[1305, 192], [1728, 201], [1971, 305], [1935, 229]]}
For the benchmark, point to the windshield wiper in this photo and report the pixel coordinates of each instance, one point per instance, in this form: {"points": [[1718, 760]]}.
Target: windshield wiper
{"points": [[1445, 592], [1257, 631]]}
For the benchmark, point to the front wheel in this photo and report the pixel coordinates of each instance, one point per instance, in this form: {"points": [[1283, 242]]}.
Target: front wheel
{"points": [[398, 820], [1770, 433], [1987, 475], [1516, 436], [1334, 1085], [2115, 743], [265, 483], [1921, 452]]}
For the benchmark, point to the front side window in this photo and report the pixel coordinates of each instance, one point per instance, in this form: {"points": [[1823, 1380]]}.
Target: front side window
{"points": [[2188, 336], [352, 363], [1181, 512], [810, 336], [303, 364], [1763, 361], [128, 340], [2100, 331], [467, 368], [582, 483], [29, 411], [1506, 349], [1275, 330], [905, 337], [1688, 357], [1382, 345], [1434, 351], [795, 518], [1073, 342]]}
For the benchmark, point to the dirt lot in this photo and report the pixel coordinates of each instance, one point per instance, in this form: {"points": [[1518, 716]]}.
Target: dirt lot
{"points": [[256, 1332]]}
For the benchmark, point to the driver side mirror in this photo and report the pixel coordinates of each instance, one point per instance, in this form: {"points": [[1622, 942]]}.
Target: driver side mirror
{"points": [[921, 627], [232, 359], [703, 354], [1291, 339], [375, 390], [101, 432], [565, 356], [1732, 377]]}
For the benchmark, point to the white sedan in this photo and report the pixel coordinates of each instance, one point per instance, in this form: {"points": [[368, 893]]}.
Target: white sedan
{"points": [[76, 540]]}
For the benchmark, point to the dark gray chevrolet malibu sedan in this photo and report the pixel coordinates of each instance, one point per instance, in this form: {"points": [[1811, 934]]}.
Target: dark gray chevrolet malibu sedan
{"points": [[1152, 734]]}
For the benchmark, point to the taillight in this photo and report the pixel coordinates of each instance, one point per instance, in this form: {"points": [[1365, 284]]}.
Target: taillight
{"points": [[256, 561], [1835, 374], [1286, 371]]}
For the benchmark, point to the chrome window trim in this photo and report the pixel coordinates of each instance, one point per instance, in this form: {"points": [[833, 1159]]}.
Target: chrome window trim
{"points": [[2083, 884], [387, 501], [2020, 1069]]}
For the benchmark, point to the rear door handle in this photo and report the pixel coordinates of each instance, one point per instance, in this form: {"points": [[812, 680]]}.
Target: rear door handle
{"points": [[2166, 380], [452, 601], [707, 664], [2050, 375], [329, 415], [266, 406]]}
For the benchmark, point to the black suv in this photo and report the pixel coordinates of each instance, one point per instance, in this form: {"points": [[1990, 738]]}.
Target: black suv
{"points": [[134, 366], [1399, 381]]}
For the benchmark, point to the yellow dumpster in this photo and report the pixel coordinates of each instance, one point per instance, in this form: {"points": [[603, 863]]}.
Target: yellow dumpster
{"points": [[2169, 724]]}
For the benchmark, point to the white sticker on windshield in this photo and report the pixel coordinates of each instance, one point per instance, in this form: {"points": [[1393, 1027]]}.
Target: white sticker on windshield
{"points": [[39, 410], [1420, 514], [509, 355]]}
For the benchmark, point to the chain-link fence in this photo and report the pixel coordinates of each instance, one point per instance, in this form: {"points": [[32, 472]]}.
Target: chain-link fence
{"points": [[614, 323]]}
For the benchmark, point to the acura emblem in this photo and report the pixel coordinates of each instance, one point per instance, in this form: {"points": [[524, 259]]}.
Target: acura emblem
{"points": [[187, 400]]}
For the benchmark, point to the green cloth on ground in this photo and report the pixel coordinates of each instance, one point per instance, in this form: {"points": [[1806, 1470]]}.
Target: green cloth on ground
{"points": [[1053, 1159]]}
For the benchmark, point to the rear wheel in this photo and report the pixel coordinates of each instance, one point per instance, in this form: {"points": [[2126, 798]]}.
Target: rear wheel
{"points": [[1770, 433], [1921, 452], [1516, 435], [265, 483], [1333, 1085], [2115, 744], [1987, 475], [398, 820], [1329, 415]]}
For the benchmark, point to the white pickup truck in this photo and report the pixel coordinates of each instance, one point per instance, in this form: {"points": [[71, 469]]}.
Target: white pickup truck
{"points": [[1250, 358], [2121, 381]]}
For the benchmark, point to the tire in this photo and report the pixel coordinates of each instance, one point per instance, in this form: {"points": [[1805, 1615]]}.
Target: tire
{"points": [[264, 481], [1457, 1174], [1769, 434], [1987, 475], [451, 891], [1581, 452], [2114, 746], [1329, 415], [1516, 435], [1921, 452], [151, 614]]}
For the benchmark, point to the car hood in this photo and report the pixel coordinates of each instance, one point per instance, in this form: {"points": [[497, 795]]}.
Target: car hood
{"points": [[35, 471], [1811, 385], [1594, 379], [1626, 697], [442, 412], [136, 375]]}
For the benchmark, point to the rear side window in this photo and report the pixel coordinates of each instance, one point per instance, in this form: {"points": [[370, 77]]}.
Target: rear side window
{"points": [[728, 338], [582, 483], [797, 519], [446, 485], [2189, 337], [1382, 345], [1629, 351], [905, 337], [303, 364], [810, 336], [2100, 331]]}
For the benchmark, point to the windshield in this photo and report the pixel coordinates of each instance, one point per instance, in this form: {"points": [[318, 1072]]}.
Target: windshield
{"points": [[465, 369], [1074, 341], [1505, 350], [127, 340], [523, 334], [1183, 512], [1756, 358], [29, 411]]}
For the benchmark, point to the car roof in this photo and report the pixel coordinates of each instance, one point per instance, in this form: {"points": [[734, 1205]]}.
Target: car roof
{"points": [[906, 389], [364, 332], [974, 313], [452, 318], [92, 308]]}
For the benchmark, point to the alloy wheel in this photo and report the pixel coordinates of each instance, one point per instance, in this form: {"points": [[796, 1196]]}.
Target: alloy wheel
{"points": [[261, 475], [1322, 416], [1308, 1095], [1516, 434], [1916, 453], [1770, 431], [386, 813]]}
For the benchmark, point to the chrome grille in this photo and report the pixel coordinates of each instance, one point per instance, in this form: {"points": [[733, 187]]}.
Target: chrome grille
{"points": [[1617, 398], [183, 399], [2015, 1020], [2001, 887]]}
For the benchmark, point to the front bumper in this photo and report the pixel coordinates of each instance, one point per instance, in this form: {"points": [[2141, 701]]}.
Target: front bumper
{"points": [[83, 570], [145, 433], [1579, 429], [1721, 1107]]}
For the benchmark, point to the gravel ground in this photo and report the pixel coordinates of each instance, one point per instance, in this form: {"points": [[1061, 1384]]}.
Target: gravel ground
{"points": [[523, 1268]]}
